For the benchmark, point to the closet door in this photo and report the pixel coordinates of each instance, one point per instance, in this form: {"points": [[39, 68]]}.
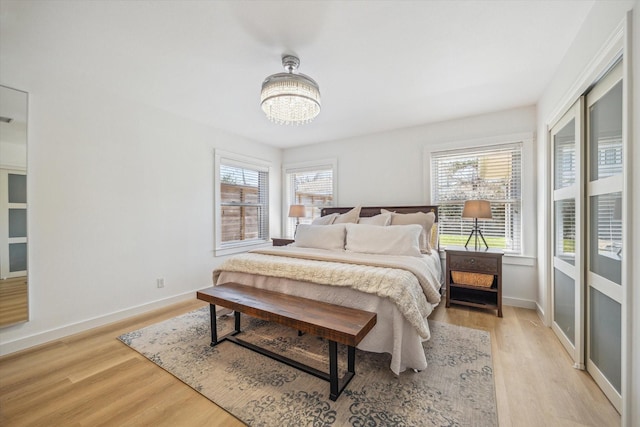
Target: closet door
{"points": [[13, 224], [567, 295], [605, 233]]}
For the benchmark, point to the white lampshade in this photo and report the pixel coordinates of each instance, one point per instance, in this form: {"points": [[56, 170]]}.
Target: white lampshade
{"points": [[480, 209], [297, 211]]}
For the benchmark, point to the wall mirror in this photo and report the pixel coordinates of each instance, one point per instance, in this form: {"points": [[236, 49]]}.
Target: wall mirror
{"points": [[14, 295]]}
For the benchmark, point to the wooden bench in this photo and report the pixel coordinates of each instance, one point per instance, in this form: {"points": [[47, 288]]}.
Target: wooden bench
{"points": [[337, 324]]}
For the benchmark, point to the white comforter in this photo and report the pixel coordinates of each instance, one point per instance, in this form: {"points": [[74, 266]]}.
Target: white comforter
{"points": [[402, 290]]}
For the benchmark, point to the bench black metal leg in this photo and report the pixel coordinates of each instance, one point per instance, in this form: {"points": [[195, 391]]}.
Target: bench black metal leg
{"points": [[333, 370], [237, 321], [214, 326], [351, 359], [214, 330], [336, 385]]}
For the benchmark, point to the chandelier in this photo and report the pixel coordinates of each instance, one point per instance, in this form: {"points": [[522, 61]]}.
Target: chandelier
{"points": [[290, 98]]}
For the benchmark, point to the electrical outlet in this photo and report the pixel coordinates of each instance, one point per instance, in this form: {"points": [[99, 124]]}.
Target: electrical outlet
{"points": [[160, 282]]}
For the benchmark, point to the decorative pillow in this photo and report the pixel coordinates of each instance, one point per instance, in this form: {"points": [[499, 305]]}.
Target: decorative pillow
{"points": [[433, 239], [325, 220], [329, 237], [380, 219], [426, 220], [351, 216], [391, 240]]}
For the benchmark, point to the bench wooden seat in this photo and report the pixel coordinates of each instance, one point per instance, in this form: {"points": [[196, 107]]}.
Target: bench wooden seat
{"points": [[336, 323]]}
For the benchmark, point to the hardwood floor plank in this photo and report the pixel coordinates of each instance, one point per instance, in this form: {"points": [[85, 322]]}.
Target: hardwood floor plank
{"points": [[14, 300], [92, 379]]}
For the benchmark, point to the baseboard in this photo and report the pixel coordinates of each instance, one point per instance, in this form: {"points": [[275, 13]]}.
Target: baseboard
{"points": [[23, 343], [517, 302], [541, 315]]}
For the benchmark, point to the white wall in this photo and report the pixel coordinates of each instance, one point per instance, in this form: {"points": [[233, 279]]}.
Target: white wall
{"points": [[388, 169], [120, 194], [564, 88]]}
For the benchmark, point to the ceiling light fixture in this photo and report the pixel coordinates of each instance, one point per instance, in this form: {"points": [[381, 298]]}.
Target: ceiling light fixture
{"points": [[290, 98]]}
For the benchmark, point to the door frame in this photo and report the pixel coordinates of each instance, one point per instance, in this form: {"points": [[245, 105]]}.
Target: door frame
{"points": [[576, 271]]}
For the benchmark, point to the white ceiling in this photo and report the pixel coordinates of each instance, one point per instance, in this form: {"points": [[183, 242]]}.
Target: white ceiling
{"points": [[381, 65]]}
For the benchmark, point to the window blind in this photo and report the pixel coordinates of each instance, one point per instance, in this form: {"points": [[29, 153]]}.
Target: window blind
{"points": [[244, 203], [311, 187], [488, 173]]}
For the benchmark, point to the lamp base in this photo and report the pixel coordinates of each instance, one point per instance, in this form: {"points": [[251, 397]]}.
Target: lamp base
{"points": [[296, 229], [476, 230]]}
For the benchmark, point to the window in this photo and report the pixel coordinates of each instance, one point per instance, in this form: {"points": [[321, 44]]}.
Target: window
{"points": [[309, 184], [491, 173], [242, 202]]}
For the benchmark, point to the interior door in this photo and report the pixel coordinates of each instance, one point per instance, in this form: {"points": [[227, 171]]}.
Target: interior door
{"points": [[605, 232], [567, 284]]}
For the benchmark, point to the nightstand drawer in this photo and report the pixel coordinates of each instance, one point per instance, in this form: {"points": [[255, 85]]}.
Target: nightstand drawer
{"points": [[474, 263]]}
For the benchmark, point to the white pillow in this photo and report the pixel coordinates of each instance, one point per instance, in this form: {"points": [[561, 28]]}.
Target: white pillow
{"points": [[351, 216], [325, 220], [390, 240], [380, 219], [329, 237], [425, 220]]}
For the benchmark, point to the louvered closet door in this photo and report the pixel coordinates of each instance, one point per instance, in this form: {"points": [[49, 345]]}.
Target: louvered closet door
{"points": [[568, 258], [605, 233]]}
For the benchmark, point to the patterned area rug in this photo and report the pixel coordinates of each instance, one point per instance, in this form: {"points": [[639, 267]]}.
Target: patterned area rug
{"points": [[456, 389]]}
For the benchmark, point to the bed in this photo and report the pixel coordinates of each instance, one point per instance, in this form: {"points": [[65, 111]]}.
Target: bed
{"points": [[363, 268]]}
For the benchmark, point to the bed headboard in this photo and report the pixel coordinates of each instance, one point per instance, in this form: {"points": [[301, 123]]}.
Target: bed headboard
{"points": [[375, 210]]}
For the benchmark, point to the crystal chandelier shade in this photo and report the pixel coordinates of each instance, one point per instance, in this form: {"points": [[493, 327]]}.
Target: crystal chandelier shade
{"points": [[290, 98]]}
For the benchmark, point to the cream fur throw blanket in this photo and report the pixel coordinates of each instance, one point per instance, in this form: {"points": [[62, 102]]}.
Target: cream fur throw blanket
{"points": [[410, 282]]}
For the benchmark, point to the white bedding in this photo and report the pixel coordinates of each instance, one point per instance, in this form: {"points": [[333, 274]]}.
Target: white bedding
{"points": [[402, 290]]}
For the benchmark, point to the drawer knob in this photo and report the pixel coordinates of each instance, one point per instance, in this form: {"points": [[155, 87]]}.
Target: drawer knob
{"points": [[472, 260]]}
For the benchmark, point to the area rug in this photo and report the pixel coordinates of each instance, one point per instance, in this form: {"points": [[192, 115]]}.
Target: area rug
{"points": [[456, 389]]}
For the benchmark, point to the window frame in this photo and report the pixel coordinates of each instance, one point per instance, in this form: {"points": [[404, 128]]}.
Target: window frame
{"points": [[232, 159], [307, 166], [528, 235]]}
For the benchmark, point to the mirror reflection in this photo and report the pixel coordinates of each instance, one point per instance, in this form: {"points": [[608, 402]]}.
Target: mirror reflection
{"points": [[14, 297]]}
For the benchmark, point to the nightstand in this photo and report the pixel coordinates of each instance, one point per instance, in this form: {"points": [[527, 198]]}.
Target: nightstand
{"points": [[280, 241], [474, 277]]}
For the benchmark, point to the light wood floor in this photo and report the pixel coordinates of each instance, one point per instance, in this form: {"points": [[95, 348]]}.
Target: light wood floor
{"points": [[91, 379], [14, 306]]}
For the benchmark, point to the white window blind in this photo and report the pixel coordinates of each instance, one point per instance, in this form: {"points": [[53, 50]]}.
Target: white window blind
{"points": [[490, 173], [311, 186], [243, 197]]}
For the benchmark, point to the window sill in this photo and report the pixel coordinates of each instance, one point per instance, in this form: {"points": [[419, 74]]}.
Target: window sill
{"points": [[239, 248]]}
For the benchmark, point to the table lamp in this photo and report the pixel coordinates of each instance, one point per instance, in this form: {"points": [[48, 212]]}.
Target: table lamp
{"points": [[297, 212], [476, 209]]}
